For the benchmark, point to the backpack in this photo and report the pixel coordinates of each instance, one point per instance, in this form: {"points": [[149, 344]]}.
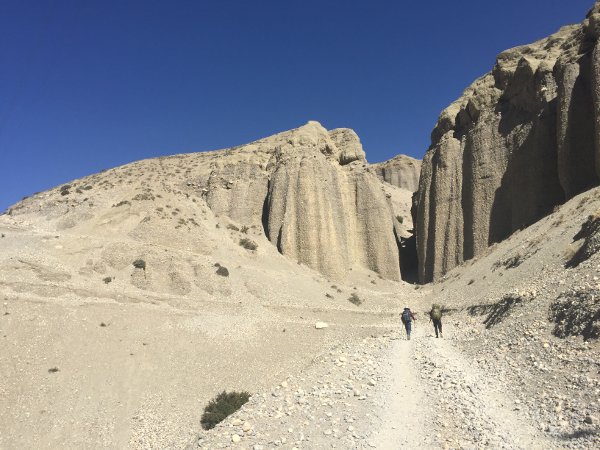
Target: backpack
{"points": [[436, 313], [406, 316]]}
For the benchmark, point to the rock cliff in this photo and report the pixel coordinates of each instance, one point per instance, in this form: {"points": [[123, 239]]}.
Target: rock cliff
{"points": [[316, 198], [401, 171], [522, 139]]}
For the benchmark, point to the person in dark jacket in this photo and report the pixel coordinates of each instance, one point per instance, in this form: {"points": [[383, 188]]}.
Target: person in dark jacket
{"points": [[407, 317], [435, 316]]}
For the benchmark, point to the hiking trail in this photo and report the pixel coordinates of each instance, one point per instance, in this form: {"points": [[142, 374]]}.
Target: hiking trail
{"points": [[435, 398]]}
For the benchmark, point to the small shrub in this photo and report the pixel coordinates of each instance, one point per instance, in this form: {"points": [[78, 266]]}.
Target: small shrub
{"points": [[328, 295], [248, 244], [3, 235], [221, 406], [139, 264], [107, 279], [122, 203], [400, 219], [355, 299], [223, 271], [471, 281], [53, 370], [102, 324], [232, 227]]}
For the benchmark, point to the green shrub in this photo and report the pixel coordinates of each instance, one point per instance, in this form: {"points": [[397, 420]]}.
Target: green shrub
{"points": [[355, 299], [223, 271], [244, 229], [248, 244], [139, 264], [232, 227], [400, 219], [222, 406], [107, 279]]}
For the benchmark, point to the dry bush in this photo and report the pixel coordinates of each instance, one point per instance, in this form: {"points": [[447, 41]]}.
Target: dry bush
{"points": [[248, 244], [222, 406]]}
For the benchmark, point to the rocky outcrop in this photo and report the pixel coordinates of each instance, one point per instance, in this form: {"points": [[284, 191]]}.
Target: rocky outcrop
{"points": [[520, 140], [401, 171], [314, 195]]}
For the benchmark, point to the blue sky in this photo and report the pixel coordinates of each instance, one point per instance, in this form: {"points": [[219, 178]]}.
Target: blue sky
{"points": [[89, 85]]}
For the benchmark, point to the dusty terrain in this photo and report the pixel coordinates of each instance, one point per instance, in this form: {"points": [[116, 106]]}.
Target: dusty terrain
{"points": [[501, 377], [90, 364], [131, 297]]}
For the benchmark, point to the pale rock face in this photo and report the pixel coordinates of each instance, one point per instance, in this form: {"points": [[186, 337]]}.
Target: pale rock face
{"points": [[315, 197], [521, 139], [348, 145], [401, 171], [312, 192], [326, 215]]}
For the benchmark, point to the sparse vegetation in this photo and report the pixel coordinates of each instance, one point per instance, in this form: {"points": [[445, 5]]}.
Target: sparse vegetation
{"points": [[144, 196], [122, 203], [355, 299], [223, 271], [53, 370], [248, 244], [222, 406], [328, 295], [576, 313], [232, 227], [512, 262], [107, 279], [244, 229], [139, 264], [400, 219]]}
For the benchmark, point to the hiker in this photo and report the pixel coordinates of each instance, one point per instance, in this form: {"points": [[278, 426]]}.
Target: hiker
{"points": [[435, 316], [407, 318]]}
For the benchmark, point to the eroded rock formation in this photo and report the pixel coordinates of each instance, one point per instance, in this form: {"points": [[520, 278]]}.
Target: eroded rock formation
{"points": [[314, 195], [401, 171], [520, 140]]}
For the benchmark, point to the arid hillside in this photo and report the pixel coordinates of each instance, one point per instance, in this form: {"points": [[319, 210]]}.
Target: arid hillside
{"points": [[133, 296]]}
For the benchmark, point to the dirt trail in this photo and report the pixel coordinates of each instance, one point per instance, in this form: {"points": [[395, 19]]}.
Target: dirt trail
{"points": [[436, 398], [405, 408]]}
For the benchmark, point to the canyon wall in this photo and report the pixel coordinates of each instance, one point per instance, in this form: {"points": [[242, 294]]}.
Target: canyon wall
{"points": [[520, 140]]}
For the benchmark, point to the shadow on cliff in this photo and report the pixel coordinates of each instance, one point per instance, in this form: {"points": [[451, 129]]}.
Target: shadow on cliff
{"points": [[530, 186], [409, 267]]}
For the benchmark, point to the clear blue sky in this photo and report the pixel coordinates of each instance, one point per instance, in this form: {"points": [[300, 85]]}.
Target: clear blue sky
{"points": [[89, 85]]}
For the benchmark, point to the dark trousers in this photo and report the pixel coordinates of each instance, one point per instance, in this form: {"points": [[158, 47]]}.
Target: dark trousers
{"points": [[408, 327], [437, 324]]}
